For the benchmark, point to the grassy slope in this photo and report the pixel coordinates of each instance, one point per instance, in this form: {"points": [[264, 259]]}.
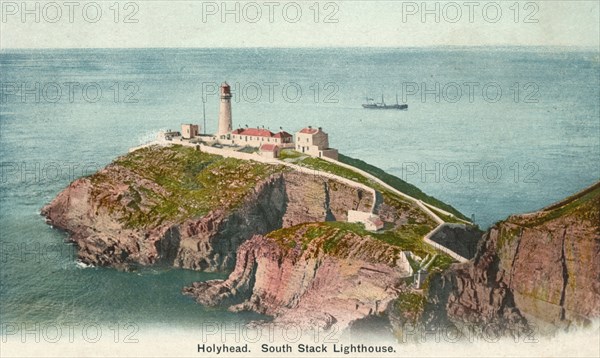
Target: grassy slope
{"points": [[399, 184], [584, 205], [332, 233], [196, 183], [389, 179]]}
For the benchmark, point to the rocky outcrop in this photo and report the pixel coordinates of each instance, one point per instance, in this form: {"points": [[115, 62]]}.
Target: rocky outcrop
{"points": [[203, 243], [319, 283], [540, 267], [121, 217], [473, 295]]}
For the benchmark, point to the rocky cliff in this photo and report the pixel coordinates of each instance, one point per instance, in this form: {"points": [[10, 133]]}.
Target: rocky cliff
{"points": [[283, 234], [310, 275], [175, 206], [297, 259], [539, 269]]}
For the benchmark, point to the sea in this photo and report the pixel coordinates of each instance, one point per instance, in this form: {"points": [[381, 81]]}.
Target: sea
{"points": [[490, 131]]}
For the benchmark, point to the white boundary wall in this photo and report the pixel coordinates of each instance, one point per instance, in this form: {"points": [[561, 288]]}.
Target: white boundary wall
{"points": [[258, 158]]}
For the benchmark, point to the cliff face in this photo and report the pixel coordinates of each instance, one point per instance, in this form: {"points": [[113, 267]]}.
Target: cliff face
{"points": [[297, 259], [541, 266], [178, 207], [310, 283]]}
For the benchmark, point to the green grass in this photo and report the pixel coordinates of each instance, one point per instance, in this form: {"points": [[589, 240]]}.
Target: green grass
{"points": [[188, 184], [583, 206], [332, 233], [407, 237], [329, 167], [400, 184], [320, 164], [290, 154], [394, 182], [447, 218]]}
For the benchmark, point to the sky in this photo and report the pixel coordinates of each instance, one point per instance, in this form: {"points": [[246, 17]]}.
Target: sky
{"points": [[208, 24]]}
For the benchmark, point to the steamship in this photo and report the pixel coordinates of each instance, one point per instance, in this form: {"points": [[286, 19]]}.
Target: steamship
{"points": [[372, 105]]}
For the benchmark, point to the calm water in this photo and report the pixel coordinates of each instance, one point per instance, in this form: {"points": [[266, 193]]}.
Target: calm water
{"points": [[485, 154]]}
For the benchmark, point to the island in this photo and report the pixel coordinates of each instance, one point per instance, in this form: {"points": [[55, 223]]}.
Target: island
{"points": [[313, 237]]}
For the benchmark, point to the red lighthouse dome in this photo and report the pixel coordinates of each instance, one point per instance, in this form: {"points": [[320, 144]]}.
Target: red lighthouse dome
{"points": [[225, 89]]}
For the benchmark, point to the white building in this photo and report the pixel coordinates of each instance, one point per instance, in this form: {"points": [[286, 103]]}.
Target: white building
{"points": [[314, 142], [189, 131], [255, 137], [270, 151]]}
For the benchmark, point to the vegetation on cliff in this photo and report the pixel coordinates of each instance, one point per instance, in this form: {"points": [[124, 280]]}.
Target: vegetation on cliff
{"points": [[393, 181], [195, 210], [330, 238], [540, 265], [582, 206], [175, 183], [399, 184]]}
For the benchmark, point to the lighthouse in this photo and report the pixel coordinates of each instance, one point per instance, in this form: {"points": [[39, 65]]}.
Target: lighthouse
{"points": [[225, 124]]}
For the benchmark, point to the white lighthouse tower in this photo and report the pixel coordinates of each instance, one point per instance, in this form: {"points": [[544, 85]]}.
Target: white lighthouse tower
{"points": [[225, 123]]}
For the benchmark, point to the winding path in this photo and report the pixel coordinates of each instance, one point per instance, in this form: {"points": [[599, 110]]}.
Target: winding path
{"points": [[427, 208]]}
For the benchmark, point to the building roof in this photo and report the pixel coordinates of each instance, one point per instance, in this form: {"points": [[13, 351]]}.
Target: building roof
{"points": [[258, 132], [309, 130], [268, 147], [283, 134]]}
